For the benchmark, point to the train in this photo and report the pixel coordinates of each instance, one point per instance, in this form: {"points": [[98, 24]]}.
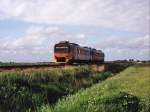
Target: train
{"points": [[69, 53]]}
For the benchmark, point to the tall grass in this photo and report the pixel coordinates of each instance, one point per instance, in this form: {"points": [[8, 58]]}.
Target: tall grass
{"points": [[127, 92], [22, 91]]}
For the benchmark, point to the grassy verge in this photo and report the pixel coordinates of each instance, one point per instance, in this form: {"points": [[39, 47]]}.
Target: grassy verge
{"points": [[22, 91], [127, 92]]}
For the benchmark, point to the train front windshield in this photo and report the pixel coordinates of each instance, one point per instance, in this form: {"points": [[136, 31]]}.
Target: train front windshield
{"points": [[62, 49]]}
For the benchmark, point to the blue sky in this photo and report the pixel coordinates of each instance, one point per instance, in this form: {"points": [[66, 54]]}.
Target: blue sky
{"points": [[30, 28]]}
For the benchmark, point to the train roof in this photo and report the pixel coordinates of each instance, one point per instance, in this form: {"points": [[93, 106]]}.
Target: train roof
{"points": [[99, 50], [63, 42], [74, 44], [67, 42]]}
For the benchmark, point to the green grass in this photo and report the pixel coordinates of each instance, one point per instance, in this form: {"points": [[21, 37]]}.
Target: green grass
{"points": [[22, 91], [128, 91]]}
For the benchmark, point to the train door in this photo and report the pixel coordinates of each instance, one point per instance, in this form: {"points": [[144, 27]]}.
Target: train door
{"points": [[77, 53], [92, 55], [74, 53]]}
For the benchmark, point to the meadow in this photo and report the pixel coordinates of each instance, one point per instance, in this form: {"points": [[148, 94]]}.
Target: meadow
{"points": [[76, 89], [29, 90], [129, 91]]}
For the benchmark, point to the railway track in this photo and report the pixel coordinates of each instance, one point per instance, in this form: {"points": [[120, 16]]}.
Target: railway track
{"points": [[23, 67], [107, 66], [29, 67]]}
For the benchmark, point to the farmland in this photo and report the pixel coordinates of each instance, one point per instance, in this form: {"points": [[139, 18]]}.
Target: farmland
{"points": [[75, 89]]}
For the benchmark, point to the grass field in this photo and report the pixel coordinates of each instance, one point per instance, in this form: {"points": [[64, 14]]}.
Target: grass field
{"points": [[128, 91], [23, 91]]}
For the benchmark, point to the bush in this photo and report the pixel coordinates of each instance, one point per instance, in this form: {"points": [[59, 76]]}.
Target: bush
{"points": [[122, 102], [100, 77], [18, 99]]}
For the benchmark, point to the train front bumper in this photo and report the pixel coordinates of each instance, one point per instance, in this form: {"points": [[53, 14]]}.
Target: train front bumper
{"points": [[61, 58]]}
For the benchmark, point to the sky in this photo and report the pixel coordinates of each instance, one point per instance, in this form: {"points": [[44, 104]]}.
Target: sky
{"points": [[30, 28]]}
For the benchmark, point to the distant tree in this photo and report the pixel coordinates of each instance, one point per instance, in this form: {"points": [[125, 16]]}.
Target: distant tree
{"points": [[145, 61], [131, 60]]}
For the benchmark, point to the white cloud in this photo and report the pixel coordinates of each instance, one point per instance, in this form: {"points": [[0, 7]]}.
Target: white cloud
{"points": [[131, 15], [38, 41], [125, 43], [80, 36], [125, 48], [37, 45]]}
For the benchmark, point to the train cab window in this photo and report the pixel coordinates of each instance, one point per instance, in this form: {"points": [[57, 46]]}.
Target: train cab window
{"points": [[62, 49]]}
